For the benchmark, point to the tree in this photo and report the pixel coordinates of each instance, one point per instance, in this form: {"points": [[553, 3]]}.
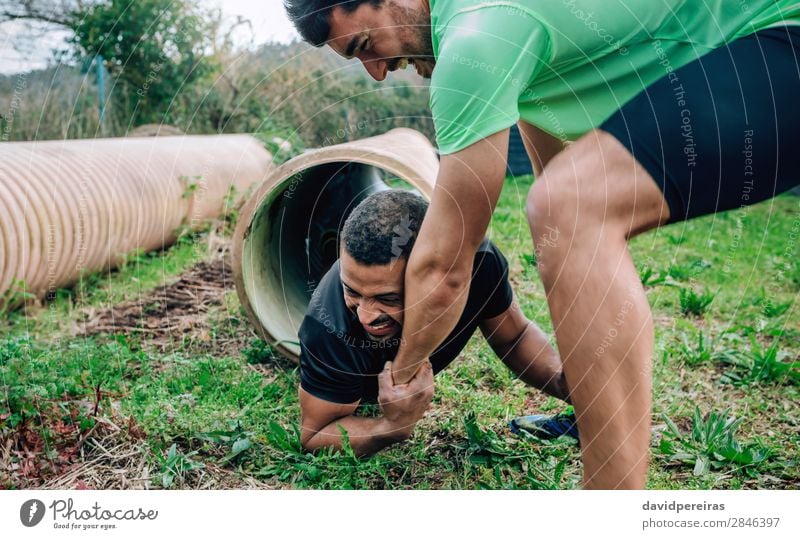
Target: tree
{"points": [[155, 49], [47, 11]]}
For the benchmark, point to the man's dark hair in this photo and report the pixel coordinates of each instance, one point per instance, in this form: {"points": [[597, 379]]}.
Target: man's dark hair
{"points": [[383, 227], [312, 17]]}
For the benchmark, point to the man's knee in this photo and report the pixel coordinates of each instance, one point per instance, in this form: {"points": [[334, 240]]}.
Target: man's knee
{"points": [[552, 210], [550, 205]]}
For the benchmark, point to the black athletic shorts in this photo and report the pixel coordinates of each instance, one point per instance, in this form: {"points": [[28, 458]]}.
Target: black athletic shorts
{"points": [[723, 131]]}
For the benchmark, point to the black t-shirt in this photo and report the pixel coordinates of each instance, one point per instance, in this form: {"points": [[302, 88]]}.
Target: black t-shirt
{"points": [[339, 363]]}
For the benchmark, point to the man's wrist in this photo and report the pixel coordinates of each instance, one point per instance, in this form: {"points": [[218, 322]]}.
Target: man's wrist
{"points": [[404, 370], [397, 430]]}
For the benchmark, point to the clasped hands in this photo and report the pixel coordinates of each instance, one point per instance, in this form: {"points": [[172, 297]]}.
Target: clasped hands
{"points": [[405, 404]]}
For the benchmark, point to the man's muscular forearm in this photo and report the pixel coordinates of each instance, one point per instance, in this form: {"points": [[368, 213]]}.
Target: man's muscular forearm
{"points": [[367, 435], [536, 362], [440, 266], [402, 406], [439, 298]]}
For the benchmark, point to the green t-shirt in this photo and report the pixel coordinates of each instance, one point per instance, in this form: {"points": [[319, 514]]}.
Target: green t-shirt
{"points": [[566, 65]]}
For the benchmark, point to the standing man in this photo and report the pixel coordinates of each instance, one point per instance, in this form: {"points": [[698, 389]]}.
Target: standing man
{"points": [[678, 109]]}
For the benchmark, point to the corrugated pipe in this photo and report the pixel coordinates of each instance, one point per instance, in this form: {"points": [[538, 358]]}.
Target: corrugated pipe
{"points": [[287, 234], [75, 206]]}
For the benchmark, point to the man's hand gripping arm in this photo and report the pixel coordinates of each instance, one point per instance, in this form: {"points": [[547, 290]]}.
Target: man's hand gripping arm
{"points": [[403, 405]]}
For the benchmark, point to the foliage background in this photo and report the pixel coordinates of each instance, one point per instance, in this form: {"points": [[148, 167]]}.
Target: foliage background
{"points": [[171, 62]]}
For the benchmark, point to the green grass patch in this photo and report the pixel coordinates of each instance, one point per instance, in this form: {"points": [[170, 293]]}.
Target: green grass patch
{"points": [[694, 303], [760, 365], [223, 412], [711, 444]]}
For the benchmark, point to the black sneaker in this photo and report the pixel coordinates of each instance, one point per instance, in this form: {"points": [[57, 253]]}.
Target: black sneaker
{"points": [[547, 427]]}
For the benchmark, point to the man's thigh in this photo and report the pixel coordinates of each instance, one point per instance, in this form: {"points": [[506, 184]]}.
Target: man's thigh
{"points": [[721, 132], [595, 184]]}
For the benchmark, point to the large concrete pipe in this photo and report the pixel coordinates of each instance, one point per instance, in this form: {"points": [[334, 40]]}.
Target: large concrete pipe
{"points": [[74, 206], [287, 234]]}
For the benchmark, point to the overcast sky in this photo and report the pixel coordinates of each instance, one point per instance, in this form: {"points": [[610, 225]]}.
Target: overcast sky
{"points": [[20, 52]]}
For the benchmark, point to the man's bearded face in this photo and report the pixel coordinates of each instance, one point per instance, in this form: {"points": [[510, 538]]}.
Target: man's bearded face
{"points": [[375, 295], [384, 38]]}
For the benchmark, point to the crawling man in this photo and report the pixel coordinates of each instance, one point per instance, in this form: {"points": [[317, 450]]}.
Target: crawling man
{"points": [[352, 328]]}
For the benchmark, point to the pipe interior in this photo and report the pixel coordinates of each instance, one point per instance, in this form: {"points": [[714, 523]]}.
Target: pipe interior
{"points": [[293, 240]]}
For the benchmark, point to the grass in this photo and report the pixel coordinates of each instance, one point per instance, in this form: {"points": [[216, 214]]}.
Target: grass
{"points": [[711, 444], [695, 352], [760, 365], [694, 303], [220, 410]]}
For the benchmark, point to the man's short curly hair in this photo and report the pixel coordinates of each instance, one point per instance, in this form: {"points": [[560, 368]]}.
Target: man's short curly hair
{"points": [[312, 17], [383, 227]]}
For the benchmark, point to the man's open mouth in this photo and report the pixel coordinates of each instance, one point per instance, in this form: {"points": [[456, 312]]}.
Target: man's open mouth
{"points": [[402, 63], [383, 328]]}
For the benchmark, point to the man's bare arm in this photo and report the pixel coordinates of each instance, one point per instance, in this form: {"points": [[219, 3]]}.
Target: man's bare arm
{"points": [[540, 146], [526, 350], [320, 427], [439, 269], [402, 407]]}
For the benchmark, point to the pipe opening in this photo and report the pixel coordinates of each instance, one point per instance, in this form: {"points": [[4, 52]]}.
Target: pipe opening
{"points": [[288, 232], [294, 240]]}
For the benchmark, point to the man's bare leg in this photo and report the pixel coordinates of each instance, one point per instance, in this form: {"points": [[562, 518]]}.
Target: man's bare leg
{"points": [[590, 199]]}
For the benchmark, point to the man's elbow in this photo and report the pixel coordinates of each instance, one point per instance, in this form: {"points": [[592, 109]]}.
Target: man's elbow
{"points": [[443, 279], [443, 290], [307, 444], [316, 443], [311, 441]]}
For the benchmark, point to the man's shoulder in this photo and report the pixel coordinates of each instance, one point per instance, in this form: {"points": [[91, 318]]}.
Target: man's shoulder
{"points": [[490, 291], [464, 20], [488, 251], [323, 333], [333, 363], [443, 11], [487, 246], [327, 307]]}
